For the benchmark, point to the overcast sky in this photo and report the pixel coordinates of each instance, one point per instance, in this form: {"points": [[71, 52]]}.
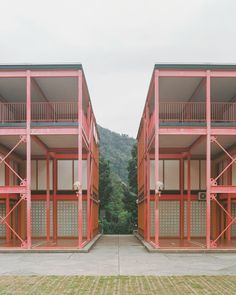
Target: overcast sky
{"points": [[118, 43]]}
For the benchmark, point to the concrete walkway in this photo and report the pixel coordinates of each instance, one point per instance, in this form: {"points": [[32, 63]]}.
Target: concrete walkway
{"points": [[117, 255]]}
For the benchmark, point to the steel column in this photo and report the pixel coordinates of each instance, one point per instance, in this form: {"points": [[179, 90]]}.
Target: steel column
{"points": [[48, 197], [148, 197], [157, 99], [7, 183], [229, 207], [88, 195], [189, 200], [182, 198], [54, 199], [79, 194], [28, 157], [145, 217], [208, 160]]}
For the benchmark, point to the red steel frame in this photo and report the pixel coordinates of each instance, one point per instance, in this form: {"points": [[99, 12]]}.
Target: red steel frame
{"points": [[148, 147], [85, 135]]}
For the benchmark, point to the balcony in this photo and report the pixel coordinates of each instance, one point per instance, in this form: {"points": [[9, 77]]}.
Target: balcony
{"points": [[42, 113], [194, 114]]}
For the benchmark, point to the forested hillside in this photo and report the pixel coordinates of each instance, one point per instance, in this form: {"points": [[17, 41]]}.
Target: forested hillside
{"points": [[117, 182], [116, 148]]}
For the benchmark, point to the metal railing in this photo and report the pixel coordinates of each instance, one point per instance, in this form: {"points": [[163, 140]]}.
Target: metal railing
{"points": [[223, 112], [68, 112], [194, 112], [182, 111], [12, 112], [54, 111], [42, 112]]}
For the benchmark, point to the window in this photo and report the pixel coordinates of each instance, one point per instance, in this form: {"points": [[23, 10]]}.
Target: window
{"points": [[68, 174]]}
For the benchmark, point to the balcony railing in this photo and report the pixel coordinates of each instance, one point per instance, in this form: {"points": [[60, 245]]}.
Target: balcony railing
{"points": [[12, 112], [223, 112], [194, 113], [54, 112], [51, 112], [182, 111]]}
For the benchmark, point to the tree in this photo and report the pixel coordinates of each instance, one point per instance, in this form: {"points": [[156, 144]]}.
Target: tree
{"points": [[105, 184], [117, 199], [132, 170], [119, 217], [130, 193]]}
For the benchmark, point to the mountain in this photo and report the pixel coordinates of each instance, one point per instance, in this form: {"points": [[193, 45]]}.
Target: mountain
{"points": [[116, 148]]}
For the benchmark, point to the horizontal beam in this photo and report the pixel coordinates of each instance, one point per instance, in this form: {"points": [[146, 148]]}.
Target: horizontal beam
{"points": [[182, 131], [177, 73], [197, 73], [33, 73], [12, 131], [168, 156], [197, 131], [223, 74], [223, 189], [38, 131], [12, 189], [12, 74], [71, 73], [223, 131], [54, 131], [162, 131]]}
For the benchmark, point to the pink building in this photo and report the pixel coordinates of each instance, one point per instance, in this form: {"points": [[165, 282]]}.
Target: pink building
{"points": [[186, 158], [49, 158]]}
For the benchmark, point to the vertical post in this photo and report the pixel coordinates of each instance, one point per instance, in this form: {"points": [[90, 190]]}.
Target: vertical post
{"points": [[156, 98], [48, 197], [28, 157], [54, 199], [80, 116], [147, 173], [88, 194], [182, 198], [145, 180], [91, 218], [189, 199], [148, 197], [208, 160], [7, 183], [229, 206]]}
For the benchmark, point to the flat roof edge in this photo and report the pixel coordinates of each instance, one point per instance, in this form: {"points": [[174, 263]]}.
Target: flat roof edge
{"points": [[56, 66], [189, 66]]}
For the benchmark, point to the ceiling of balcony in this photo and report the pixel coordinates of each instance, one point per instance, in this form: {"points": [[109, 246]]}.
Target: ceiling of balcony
{"points": [[183, 89], [42, 89]]}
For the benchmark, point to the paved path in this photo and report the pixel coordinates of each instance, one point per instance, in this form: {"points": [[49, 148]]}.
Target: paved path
{"points": [[117, 255]]}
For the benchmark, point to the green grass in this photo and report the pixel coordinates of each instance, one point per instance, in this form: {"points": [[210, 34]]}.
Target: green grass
{"points": [[114, 285]]}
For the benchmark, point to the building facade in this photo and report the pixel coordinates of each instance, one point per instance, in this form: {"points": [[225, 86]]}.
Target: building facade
{"points": [[186, 158], [49, 158]]}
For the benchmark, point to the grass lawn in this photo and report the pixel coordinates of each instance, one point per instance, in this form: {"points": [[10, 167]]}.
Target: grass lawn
{"points": [[118, 285]]}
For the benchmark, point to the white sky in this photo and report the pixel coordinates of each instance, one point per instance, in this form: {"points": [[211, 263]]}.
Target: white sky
{"points": [[118, 42]]}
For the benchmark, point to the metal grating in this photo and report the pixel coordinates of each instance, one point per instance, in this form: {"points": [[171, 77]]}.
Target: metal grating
{"points": [[233, 228], [169, 217], [198, 218], [38, 214], [67, 218], [2, 226]]}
